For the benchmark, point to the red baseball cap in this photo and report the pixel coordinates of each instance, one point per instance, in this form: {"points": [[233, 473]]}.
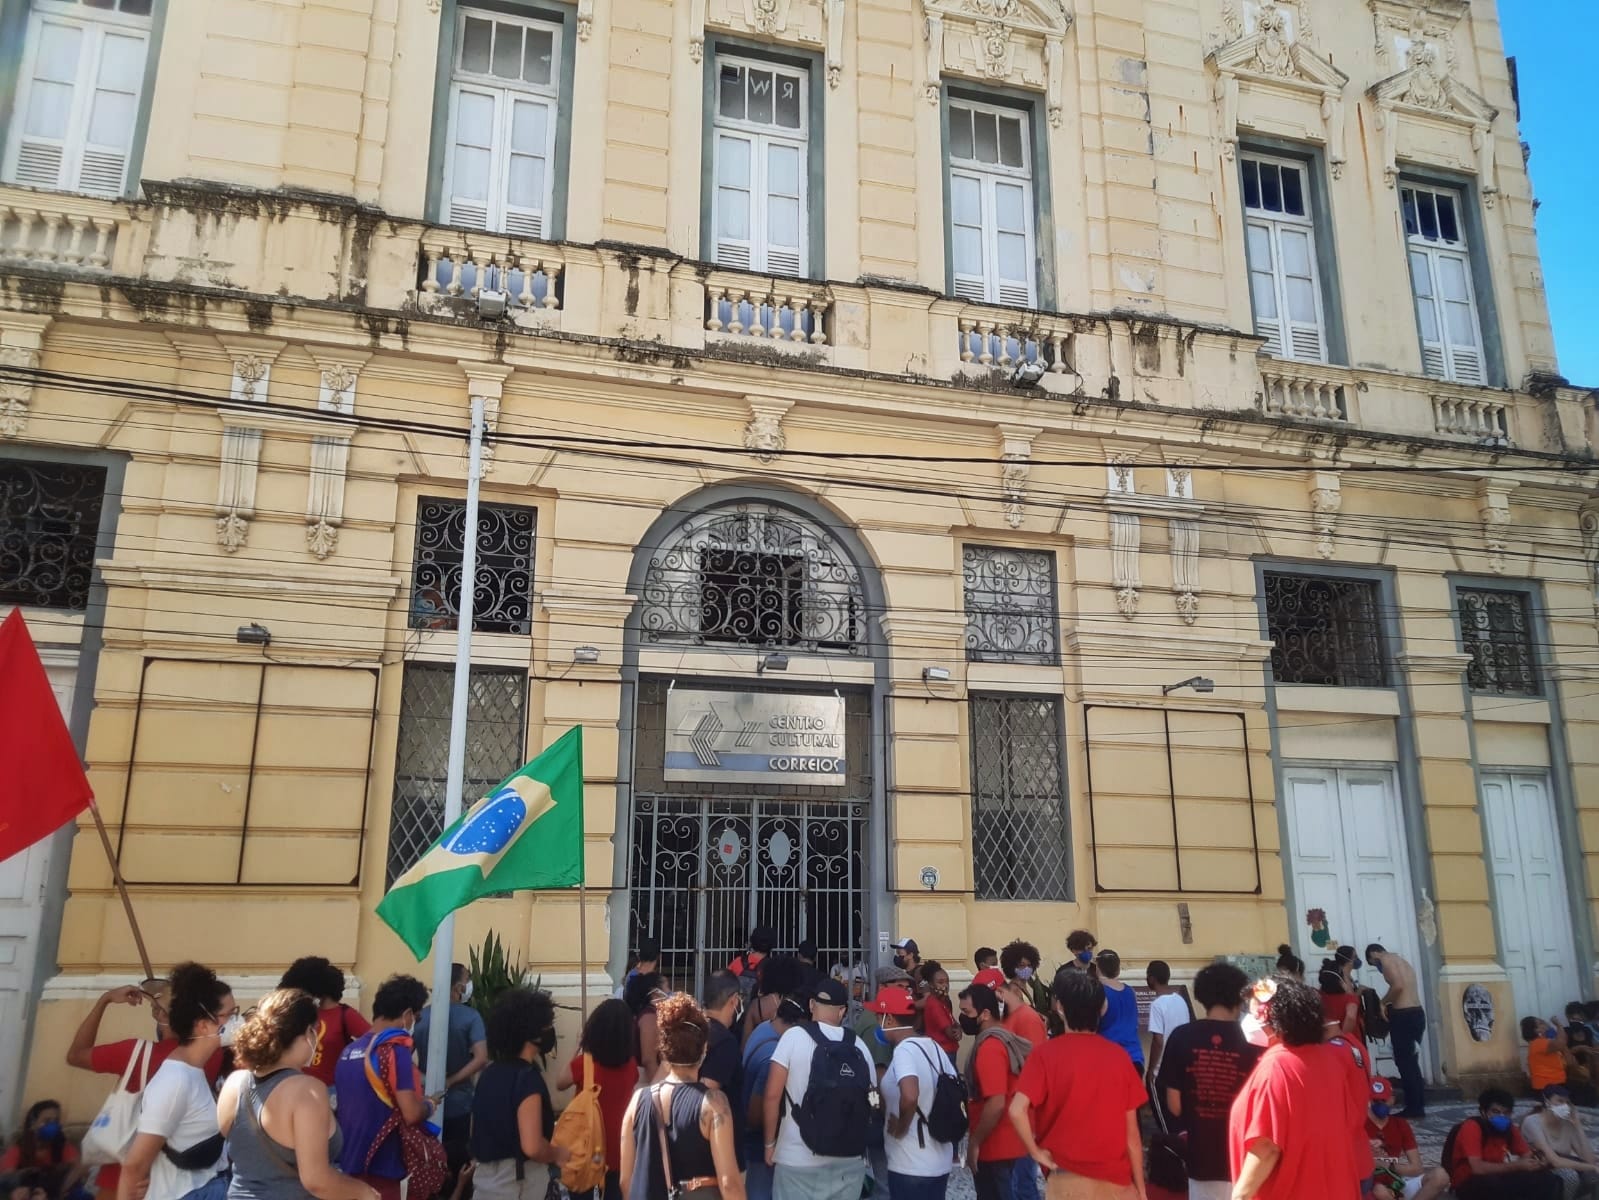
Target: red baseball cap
{"points": [[893, 1002], [990, 978], [1382, 1090]]}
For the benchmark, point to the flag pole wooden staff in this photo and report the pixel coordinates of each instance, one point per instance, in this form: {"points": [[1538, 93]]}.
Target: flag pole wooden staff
{"points": [[122, 888]]}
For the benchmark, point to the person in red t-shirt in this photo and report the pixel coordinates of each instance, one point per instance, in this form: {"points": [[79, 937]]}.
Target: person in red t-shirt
{"points": [[1400, 1175], [1490, 1160], [41, 1160], [938, 1019], [995, 1064], [608, 1040], [339, 1023], [1021, 1018], [1289, 1134], [112, 1058], [1076, 1105]]}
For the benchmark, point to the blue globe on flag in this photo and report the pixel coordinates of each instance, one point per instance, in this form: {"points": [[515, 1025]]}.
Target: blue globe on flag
{"points": [[490, 828]]}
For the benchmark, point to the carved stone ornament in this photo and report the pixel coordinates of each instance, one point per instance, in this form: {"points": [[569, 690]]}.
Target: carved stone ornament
{"points": [[1416, 40], [1126, 532], [1120, 473], [487, 381], [1272, 51], [250, 378], [1185, 568], [1589, 522], [1180, 481], [1021, 43], [1493, 507], [1326, 498], [241, 458], [1015, 458], [801, 22], [324, 505], [763, 432], [15, 389], [585, 20], [338, 389]]}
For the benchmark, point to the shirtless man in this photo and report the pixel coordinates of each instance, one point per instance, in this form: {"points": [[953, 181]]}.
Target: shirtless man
{"points": [[1407, 1024]]}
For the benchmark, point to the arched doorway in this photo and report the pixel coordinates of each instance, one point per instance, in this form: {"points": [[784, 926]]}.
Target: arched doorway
{"points": [[752, 795]]}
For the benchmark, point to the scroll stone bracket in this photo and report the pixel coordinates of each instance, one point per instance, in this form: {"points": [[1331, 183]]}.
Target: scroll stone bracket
{"points": [[488, 381], [1126, 533], [763, 432], [21, 344], [1015, 456], [1493, 507], [1326, 499]]}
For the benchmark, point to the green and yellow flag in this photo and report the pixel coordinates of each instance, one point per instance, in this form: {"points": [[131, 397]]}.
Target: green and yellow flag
{"points": [[527, 833]]}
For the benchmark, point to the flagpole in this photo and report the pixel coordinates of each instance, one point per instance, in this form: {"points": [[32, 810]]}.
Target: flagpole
{"points": [[444, 940], [122, 888], [583, 943]]}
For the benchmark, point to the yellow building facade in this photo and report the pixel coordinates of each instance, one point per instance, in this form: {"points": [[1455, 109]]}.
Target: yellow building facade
{"points": [[889, 403]]}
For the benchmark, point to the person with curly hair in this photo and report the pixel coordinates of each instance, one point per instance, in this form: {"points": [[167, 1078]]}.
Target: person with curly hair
{"points": [[42, 1162], [781, 975], [1019, 961], [370, 1093], [178, 1150], [679, 1133], [608, 1041], [281, 1134], [337, 1023], [642, 994], [1292, 1126], [512, 1117]]}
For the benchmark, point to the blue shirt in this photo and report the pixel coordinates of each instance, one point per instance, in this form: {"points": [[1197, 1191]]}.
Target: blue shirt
{"points": [[757, 1066], [362, 1114], [1120, 1023], [466, 1031]]}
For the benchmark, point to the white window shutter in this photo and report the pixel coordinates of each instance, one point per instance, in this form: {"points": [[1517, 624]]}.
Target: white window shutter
{"points": [[469, 175], [736, 163], [1429, 321], [49, 102], [1301, 301], [1011, 211], [113, 109], [969, 236], [525, 164], [1264, 292], [784, 208], [1461, 328]]}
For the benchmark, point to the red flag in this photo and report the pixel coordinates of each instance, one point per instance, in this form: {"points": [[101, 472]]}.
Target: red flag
{"points": [[42, 785]]}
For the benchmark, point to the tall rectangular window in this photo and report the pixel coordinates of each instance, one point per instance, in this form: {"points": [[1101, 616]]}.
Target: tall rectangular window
{"points": [[504, 96], [1010, 605], [49, 520], [1440, 276], [761, 148], [1280, 241], [1496, 628], [503, 596], [77, 104], [1326, 631], [992, 217], [496, 732], [1020, 844]]}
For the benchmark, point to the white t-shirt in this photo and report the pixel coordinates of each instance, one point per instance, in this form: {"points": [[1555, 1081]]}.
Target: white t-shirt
{"points": [[794, 1051], [925, 1059], [1167, 1013], [179, 1107]]}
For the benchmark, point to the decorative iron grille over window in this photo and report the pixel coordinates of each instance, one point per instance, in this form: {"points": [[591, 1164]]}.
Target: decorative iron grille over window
{"points": [[753, 575], [1497, 630], [503, 599], [49, 518], [1325, 631], [1020, 847], [496, 724], [1010, 605]]}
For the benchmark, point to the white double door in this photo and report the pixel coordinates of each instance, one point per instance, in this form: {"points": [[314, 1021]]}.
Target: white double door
{"points": [[1348, 855], [1532, 908]]}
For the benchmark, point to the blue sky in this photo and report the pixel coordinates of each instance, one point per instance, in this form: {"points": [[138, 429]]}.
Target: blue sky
{"points": [[1556, 67]]}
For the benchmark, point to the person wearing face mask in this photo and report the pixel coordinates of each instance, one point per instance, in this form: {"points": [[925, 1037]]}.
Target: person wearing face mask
{"points": [[1081, 945], [466, 1054], [1400, 1175], [338, 1022], [864, 1025], [993, 1148], [41, 1155], [1488, 1159], [178, 1150], [1556, 1134], [512, 1117], [919, 1164], [1019, 962], [938, 1018], [363, 1110], [724, 1062], [757, 1066], [908, 956], [281, 1135]]}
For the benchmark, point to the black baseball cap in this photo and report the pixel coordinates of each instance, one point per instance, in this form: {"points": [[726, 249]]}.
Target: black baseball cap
{"points": [[830, 991], [908, 944]]}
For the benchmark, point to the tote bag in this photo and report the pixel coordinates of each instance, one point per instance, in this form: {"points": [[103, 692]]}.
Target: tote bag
{"points": [[112, 1132]]}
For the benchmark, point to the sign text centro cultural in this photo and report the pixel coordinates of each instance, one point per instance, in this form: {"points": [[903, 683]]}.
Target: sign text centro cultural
{"points": [[754, 737]]}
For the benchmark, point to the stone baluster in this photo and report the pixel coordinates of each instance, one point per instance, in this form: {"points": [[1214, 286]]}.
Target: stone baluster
{"points": [[820, 307], [985, 331], [735, 316], [552, 282], [715, 297], [529, 269], [430, 272], [801, 306], [47, 248], [1059, 348], [100, 256], [966, 325]]}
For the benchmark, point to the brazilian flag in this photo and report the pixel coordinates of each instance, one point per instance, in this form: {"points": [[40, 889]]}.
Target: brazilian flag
{"points": [[526, 834]]}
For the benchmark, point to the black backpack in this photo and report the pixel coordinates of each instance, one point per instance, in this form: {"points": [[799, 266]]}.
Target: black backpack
{"points": [[945, 1119], [1376, 1021], [749, 978], [836, 1110]]}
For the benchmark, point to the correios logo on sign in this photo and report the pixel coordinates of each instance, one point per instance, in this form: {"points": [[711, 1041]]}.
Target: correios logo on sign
{"points": [[754, 737]]}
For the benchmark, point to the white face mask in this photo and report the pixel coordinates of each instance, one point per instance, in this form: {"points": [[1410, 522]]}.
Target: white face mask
{"points": [[1563, 1111], [466, 992], [230, 1029]]}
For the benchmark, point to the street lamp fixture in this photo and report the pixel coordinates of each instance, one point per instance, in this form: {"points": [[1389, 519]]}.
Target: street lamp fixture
{"points": [[1199, 683], [771, 662]]}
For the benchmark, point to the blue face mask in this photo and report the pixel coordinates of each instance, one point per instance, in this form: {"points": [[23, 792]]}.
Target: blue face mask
{"points": [[881, 1035], [1024, 973], [1087, 956], [1499, 1123], [1380, 1109], [50, 1130]]}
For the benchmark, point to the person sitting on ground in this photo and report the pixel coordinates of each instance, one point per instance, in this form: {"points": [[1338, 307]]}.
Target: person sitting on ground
{"points": [[337, 1023], [282, 1137], [1076, 1104], [1399, 1173], [1488, 1159], [42, 1161], [1546, 1053], [607, 1039], [986, 958], [512, 1117], [1555, 1133]]}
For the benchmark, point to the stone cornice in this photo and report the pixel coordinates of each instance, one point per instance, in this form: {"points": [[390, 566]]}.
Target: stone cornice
{"points": [[1440, 664], [1112, 640], [288, 582]]}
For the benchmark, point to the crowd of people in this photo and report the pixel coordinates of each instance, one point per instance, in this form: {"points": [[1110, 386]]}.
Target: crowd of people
{"points": [[782, 1081]]}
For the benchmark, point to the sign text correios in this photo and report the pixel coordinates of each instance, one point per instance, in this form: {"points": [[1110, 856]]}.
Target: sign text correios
{"points": [[754, 737]]}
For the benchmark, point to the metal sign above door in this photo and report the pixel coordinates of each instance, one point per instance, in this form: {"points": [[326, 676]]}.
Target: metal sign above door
{"points": [[754, 737]]}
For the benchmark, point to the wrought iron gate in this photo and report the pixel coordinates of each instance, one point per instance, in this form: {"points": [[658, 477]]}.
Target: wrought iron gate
{"points": [[706, 870]]}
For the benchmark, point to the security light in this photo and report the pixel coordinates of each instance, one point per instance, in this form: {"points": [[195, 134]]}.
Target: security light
{"points": [[771, 662], [1199, 683], [585, 654], [253, 635], [935, 674]]}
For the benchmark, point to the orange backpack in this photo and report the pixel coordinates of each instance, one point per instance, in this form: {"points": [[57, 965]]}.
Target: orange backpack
{"points": [[581, 1129]]}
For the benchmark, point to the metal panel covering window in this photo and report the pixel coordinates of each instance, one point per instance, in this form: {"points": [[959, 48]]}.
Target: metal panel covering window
{"points": [[1325, 630], [78, 90], [503, 599], [504, 93], [1280, 240], [761, 148], [991, 214], [1440, 275], [1020, 844], [496, 733], [49, 517], [1010, 605], [1496, 627]]}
